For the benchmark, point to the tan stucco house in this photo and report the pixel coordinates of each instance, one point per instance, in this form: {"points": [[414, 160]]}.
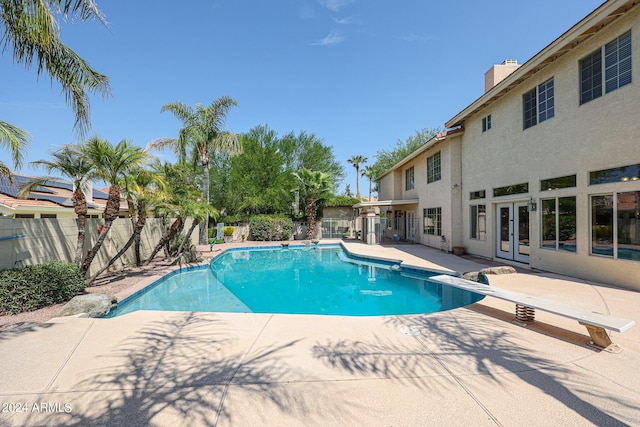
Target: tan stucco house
{"points": [[544, 168]]}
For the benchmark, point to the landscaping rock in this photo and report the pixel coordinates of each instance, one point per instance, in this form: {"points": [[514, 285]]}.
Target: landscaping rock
{"points": [[93, 305], [503, 269], [476, 276]]}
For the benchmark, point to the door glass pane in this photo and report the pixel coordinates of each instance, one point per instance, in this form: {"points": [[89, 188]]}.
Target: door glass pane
{"points": [[629, 226], [523, 230], [567, 224], [504, 229], [602, 225], [549, 223]]}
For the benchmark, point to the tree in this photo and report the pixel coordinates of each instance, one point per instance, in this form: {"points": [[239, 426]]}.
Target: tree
{"points": [[356, 161], [201, 132], [30, 29], [70, 163], [369, 173], [385, 159], [112, 163], [317, 186], [15, 140]]}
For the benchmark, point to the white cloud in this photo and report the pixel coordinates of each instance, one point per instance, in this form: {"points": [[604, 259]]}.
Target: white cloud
{"points": [[343, 21], [335, 5], [332, 38]]}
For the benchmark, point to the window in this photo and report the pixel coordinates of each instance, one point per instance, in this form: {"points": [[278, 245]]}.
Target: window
{"points": [[24, 216], [538, 104], [478, 217], [47, 215], [602, 225], [486, 123], [559, 224], [433, 221], [474, 195], [557, 183], [620, 174], [613, 74], [511, 189], [408, 179], [628, 228], [433, 168]]}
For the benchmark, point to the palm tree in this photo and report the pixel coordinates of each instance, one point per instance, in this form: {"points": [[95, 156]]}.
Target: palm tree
{"points": [[16, 141], [68, 162], [356, 161], [141, 188], [317, 186], [112, 163], [202, 132], [369, 172], [199, 210], [30, 29]]}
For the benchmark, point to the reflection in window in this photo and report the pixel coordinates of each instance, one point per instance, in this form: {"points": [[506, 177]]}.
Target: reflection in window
{"points": [[409, 179], [557, 183], [559, 224], [628, 207], [433, 221], [621, 174], [602, 225], [511, 189], [478, 216]]}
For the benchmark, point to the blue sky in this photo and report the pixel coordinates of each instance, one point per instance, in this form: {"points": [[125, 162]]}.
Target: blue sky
{"points": [[360, 74]]}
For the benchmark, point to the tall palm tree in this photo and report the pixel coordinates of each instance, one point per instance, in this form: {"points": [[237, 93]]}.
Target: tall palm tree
{"points": [[68, 162], [29, 28], [317, 186], [199, 210], [357, 161], [202, 132], [112, 163], [369, 172]]}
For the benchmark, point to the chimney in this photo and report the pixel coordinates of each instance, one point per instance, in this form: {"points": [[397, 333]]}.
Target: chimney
{"points": [[499, 72]]}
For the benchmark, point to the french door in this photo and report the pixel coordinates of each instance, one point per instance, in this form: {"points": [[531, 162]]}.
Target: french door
{"points": [[512, 236]]}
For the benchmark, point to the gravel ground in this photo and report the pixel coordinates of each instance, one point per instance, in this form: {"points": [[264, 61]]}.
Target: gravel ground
{"points": [[109, 283]]}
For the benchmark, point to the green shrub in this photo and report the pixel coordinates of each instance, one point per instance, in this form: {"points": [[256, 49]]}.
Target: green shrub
{"points": [[270, 227], [36, 286], [228, 231]]}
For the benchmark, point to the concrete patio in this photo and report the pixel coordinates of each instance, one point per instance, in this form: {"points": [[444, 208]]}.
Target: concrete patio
{"points": [[469, 366]]}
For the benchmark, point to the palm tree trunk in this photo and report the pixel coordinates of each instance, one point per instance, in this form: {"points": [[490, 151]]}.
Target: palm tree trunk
{"points": [[187, 236], [202, 239], [80, 208], [110, 214], [357, 182], [311, 217], [175, 228], [370, 189], [137, 230]]}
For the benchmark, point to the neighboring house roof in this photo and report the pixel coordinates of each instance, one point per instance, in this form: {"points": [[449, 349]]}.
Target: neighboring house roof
{"points": [[576, 35], [54, 194], [435, 140]]}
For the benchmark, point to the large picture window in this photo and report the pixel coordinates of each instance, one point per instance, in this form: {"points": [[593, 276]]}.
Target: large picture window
{"points": [[615, 225], [559, 224], [433, 221], [614, 73], [478, 226], [538, 104], [433, 168]]}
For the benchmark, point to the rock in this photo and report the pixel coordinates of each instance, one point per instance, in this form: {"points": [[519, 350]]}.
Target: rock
{"points": [[93, 305], [502, 269], [476, 276]]}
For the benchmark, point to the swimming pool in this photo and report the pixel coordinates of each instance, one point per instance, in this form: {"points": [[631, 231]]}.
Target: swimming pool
{"points": [[298, 280]]}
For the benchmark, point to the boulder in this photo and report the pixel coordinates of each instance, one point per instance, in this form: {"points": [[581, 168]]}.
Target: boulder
{"points": [[476, 276], [92, 305], [502, 269]]}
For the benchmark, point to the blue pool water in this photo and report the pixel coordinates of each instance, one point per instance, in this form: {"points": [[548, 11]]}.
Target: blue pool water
{"points": [[316, 280]]}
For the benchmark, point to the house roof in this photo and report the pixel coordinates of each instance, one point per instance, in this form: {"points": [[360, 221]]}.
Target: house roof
{"points": [[54, 194], [604, 15], [435, 140]]}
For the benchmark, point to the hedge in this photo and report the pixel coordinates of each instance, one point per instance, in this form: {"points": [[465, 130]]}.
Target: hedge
{"points": [[270, 227], [36, 286]]}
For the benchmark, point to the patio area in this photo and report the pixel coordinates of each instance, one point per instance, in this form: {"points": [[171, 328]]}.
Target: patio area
{"points": [[469, 366]]}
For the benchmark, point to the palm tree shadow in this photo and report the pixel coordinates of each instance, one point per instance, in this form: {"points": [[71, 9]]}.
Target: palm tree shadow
{"points": [[182, 368], [455, 339]]}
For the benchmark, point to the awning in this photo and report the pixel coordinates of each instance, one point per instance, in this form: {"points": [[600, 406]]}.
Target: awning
{"points": [[380, 203]]}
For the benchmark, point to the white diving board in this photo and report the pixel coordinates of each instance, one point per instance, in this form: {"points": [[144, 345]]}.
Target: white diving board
{"points": [[596, 323]]}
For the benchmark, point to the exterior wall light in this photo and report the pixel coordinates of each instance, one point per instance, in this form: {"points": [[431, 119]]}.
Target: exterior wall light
{"points": [[532, 205]]}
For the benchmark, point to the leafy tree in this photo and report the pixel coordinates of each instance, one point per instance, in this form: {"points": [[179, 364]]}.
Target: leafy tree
{"points": [[357, 161], [68, 162], [202, 132], [317, 186], [29, 28], [347, 191], [16, 141], [112, 163], [385, 159]]}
